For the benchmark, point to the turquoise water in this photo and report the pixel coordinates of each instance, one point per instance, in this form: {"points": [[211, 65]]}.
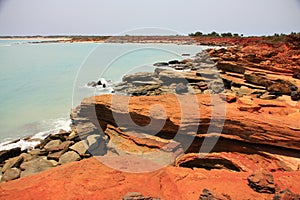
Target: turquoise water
{"points": [[38, 81]]}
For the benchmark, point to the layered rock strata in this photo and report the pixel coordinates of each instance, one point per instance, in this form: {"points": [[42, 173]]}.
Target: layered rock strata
{"points": [[227, 118]]}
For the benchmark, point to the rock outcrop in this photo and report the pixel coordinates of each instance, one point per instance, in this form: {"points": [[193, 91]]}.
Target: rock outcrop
{"points": [[137, 196], [209, 195], [286, 195], [89, 179], [256, 126], [262, 182], [82, 142], [193, 129]]}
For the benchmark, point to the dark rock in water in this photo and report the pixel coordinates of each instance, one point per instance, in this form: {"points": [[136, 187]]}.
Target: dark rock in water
{"points": [[181, 88], [11, 174], [286, 195], [262, 182], [99, 83], [35, 166], [295, 96], [104, 85], [6, 154], [137, 196], [161, 64], [174, 62], [92, 84]]}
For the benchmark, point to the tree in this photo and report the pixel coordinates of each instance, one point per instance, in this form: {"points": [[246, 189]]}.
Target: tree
{"points": [[197, 34], [226, 34], [213, 34]]}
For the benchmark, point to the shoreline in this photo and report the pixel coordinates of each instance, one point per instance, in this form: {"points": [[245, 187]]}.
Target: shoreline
{"points": [[258, 91], [65, 39], [188, 40], [35, 38], [180, 40], [30, 140], [11, 140]]}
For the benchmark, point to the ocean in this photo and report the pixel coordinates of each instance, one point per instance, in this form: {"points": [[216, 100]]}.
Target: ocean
{"points": [[40, 83]]}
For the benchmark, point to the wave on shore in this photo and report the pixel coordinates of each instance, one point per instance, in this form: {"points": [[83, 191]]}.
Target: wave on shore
{"points": [[30, 142]]}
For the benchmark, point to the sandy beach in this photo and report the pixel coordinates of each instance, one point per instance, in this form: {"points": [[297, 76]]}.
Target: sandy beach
{"points": [[36, 38]]}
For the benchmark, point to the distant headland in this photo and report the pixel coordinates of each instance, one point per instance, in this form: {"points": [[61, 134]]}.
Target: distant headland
{"points": [[198, 38]]}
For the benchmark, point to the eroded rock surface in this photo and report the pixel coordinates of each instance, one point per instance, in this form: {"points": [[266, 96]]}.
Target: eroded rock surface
{"points": [[238, 106], [262, 182], [89, 179]]}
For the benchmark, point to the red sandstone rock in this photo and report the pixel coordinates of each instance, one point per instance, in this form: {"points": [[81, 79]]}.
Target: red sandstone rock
{"points": [[246, 104], [89, 179], [265, 137], [262, 182], [261, 128], [228, 97]]}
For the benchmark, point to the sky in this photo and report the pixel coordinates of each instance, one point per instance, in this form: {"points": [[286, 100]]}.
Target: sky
{"points": [[119, 17]]}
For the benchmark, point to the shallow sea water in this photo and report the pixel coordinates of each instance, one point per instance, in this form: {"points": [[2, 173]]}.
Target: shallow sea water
{"points": [[40, 83]]}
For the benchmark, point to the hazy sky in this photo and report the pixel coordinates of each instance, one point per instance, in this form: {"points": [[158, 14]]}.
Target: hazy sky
{"points": [[112, 17]]}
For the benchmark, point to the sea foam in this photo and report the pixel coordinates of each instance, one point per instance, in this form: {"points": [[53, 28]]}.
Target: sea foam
{"points": [[26, 143]]}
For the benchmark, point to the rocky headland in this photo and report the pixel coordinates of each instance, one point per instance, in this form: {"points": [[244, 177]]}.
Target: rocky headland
{"points": [[255, 88]]}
